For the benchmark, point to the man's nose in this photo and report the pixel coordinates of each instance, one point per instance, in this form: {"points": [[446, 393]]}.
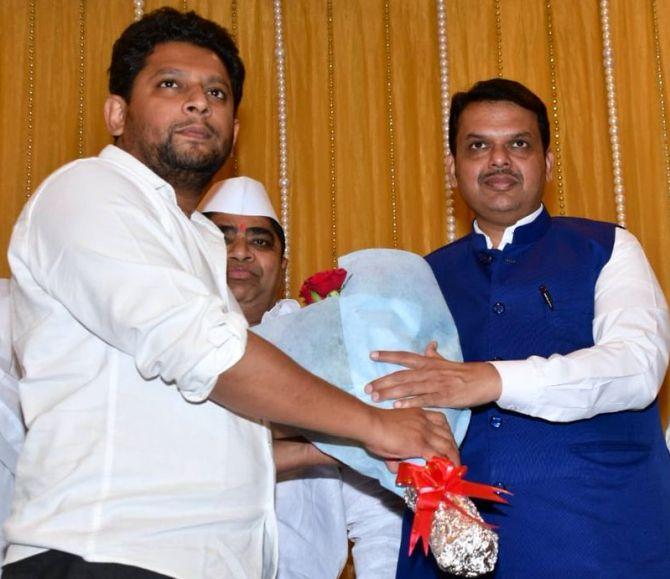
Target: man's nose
{"points": [[240, 249], [196, 101], [499, 156]]}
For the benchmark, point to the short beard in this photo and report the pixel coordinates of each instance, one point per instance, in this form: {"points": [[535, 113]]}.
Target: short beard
{"points": [[184, 171]]}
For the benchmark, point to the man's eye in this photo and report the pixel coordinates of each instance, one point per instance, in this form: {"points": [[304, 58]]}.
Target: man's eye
{"points": [[218, 93], [168, 83], [477, 145], [520, 144], [261, 242]]}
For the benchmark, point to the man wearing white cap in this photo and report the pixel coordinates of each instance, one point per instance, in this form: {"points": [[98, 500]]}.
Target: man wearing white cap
{"points": [[319, 507]]}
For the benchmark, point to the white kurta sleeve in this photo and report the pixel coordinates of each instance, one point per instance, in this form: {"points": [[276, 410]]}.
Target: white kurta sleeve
{"points": [[623, 370], [105, 254], [374, 523]]}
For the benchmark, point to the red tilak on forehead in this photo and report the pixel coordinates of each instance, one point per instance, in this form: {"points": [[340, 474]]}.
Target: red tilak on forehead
{"points": [[242, 227]]}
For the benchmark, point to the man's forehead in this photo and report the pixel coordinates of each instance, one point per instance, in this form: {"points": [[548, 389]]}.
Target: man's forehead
{"points": [[180, 56], [495, 116], [242, 222]]}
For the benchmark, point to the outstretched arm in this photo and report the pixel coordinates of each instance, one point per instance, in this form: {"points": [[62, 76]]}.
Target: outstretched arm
{"points": [[622, 371]]}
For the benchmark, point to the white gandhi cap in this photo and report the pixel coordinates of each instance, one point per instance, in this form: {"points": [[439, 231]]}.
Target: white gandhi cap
{"points": [[238, 196]]}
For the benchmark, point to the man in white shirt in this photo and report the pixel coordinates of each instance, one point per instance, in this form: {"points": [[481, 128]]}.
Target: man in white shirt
{"points": [[143, 393], [565, 333], [319, 507], [11, 423]]}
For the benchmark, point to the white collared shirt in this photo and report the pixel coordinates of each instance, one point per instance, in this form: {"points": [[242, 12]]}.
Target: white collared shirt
{"points": [[122, 325], [623, 370], [12, 430]]}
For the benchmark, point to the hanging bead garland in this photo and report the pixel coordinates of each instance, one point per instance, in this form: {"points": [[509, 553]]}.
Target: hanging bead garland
{"points": [[280, 66], [82, 78], [612, 117], [499, 38], [28, 183], [138, 9], [390, 125], [331, 133], [234, 34], [556, 146], [443, 59], [660, 83]]}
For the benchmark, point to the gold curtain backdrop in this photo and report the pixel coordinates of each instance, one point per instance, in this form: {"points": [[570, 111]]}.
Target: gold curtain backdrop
{"points": [[365, 151]]}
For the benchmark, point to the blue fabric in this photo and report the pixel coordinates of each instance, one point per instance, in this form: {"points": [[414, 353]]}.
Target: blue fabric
{"points": [[591, 497], [390, 301]]}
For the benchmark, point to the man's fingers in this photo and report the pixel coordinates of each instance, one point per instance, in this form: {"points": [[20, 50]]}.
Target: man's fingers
{"points": [[392, 465], [431, 350], [407, 359], [437, 418]]}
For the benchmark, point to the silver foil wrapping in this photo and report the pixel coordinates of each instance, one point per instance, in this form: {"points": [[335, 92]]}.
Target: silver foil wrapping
{"points": [[460, 545]]}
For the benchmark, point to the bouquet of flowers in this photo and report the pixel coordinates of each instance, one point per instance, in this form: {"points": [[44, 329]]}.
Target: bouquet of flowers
{"points": [[390, 300], [384, 299]]}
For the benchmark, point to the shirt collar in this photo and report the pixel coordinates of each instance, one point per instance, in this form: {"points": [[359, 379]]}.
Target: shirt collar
{"points": [[134, 165], [508, 235]]}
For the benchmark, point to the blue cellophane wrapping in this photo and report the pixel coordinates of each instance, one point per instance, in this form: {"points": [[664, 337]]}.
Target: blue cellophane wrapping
{"points": [[390, 301]]}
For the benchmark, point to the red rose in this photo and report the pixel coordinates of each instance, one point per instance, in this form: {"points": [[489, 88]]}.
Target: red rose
{"points": [[318, 286]]}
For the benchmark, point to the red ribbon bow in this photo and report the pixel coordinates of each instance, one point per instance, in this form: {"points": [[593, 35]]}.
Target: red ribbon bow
{"points": [[432, 482]]}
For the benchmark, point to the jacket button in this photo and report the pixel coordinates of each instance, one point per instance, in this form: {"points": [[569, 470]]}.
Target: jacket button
{"points": [[501, 485], [497, 359], [495, 421], [485, 258], [499, 308]]}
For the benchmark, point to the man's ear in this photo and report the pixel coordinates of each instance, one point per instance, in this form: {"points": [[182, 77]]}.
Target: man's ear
{"points": [[115, 114], [236, 128], [284, 265], [549, 165], [451, 170]]}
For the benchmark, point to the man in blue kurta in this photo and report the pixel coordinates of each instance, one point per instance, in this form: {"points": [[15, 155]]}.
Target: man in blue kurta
{"points": [[565, 334]]}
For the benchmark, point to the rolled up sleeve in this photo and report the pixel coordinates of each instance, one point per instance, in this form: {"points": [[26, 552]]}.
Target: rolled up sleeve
{"points": [[114, 260]]}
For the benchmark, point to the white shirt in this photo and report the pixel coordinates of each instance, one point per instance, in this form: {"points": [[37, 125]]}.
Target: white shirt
{"points": [[623, 370], [11, 424], [319, 508], [122, 325]]}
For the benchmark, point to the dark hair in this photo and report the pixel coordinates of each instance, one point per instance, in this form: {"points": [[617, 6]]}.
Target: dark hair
{"points": [[498, 89], [138, 41]]}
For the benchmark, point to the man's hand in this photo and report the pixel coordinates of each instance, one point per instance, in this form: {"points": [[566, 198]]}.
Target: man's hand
{"points": [[411, 432], [431, 380], [295, 453]]}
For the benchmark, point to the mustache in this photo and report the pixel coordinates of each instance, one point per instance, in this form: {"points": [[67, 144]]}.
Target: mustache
{"points": [[502, 171], [187, 124]]}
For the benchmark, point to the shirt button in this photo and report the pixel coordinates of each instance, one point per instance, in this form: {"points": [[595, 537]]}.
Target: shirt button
{"points": [[495, 421], [499, 308]]}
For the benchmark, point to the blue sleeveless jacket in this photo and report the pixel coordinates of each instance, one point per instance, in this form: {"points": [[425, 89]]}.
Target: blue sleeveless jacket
{"points": [[591, 498]]}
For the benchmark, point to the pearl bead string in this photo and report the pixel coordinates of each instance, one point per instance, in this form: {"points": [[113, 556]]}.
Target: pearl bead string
{"points": [[499, 38], [28, 182], [138, 9], [81, 117], [332, 167], [389, 121], [660, 83], [280, 68], [445, 102], [612, 117], [556, 132]]}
